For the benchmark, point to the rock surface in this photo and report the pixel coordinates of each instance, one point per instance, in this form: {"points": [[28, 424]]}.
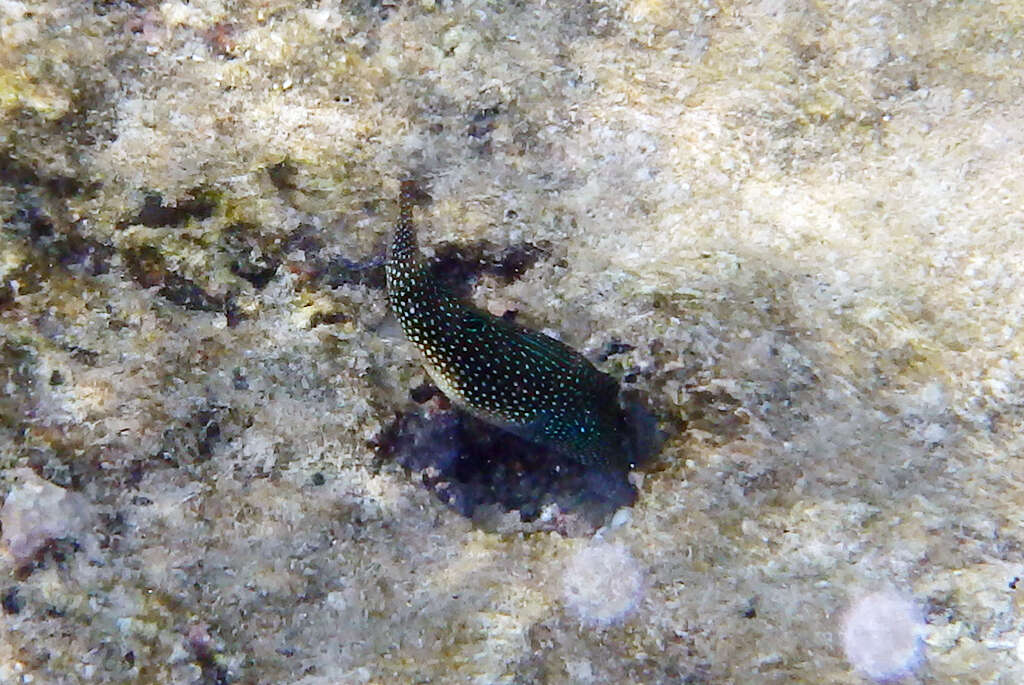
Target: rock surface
{"points": [[798, 225]]}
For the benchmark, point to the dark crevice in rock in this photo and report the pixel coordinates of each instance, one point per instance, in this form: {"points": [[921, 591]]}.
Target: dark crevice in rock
{"points": [[369, 274], [194, 440], [18, 373], [458, 266], [16, 174], [316, 270], [155, 214], [257, 259], [282, 175], [149, 269], [55, 552], [247, 260], [74, 250], [60, 243]]}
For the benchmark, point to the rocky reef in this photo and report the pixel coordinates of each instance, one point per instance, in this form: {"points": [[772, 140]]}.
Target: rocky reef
{"points": [[792, 231]]}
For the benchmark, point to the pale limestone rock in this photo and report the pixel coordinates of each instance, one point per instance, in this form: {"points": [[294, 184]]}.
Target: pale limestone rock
{"points": [[37, 511]]}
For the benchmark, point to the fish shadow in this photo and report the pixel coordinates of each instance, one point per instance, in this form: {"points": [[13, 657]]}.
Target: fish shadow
{"points": [[485, 473]]}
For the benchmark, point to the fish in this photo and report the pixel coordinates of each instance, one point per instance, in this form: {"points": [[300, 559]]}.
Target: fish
{"points": [[511, 376]]}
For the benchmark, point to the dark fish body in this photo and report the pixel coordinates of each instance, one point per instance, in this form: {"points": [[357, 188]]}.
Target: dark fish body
{"points": [[509, 375]]}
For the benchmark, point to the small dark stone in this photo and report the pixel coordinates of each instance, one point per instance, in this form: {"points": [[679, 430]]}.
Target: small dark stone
{"points": [[209, 434], [258, 276], [422, 393], [194, 440], [84, 356], [11, 602], [238, 379], [113, 530], [91, 256], [482, 122], [56, 378], [129, 658], [318, 478], [233, 315], [613, 348], [185, 293]]}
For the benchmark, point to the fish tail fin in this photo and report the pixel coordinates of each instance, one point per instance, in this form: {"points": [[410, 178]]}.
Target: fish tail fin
{"points": [[404, 248]]}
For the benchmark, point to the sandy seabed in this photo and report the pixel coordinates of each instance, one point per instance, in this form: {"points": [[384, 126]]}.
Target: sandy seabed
{"points": [[799, 225]]}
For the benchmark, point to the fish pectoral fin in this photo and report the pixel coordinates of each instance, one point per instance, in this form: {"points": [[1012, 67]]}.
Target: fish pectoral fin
{"points": [[535, 431]]}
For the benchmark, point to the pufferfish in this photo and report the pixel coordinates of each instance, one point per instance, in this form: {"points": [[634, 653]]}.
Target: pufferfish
{"points": [[506, 374]]}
